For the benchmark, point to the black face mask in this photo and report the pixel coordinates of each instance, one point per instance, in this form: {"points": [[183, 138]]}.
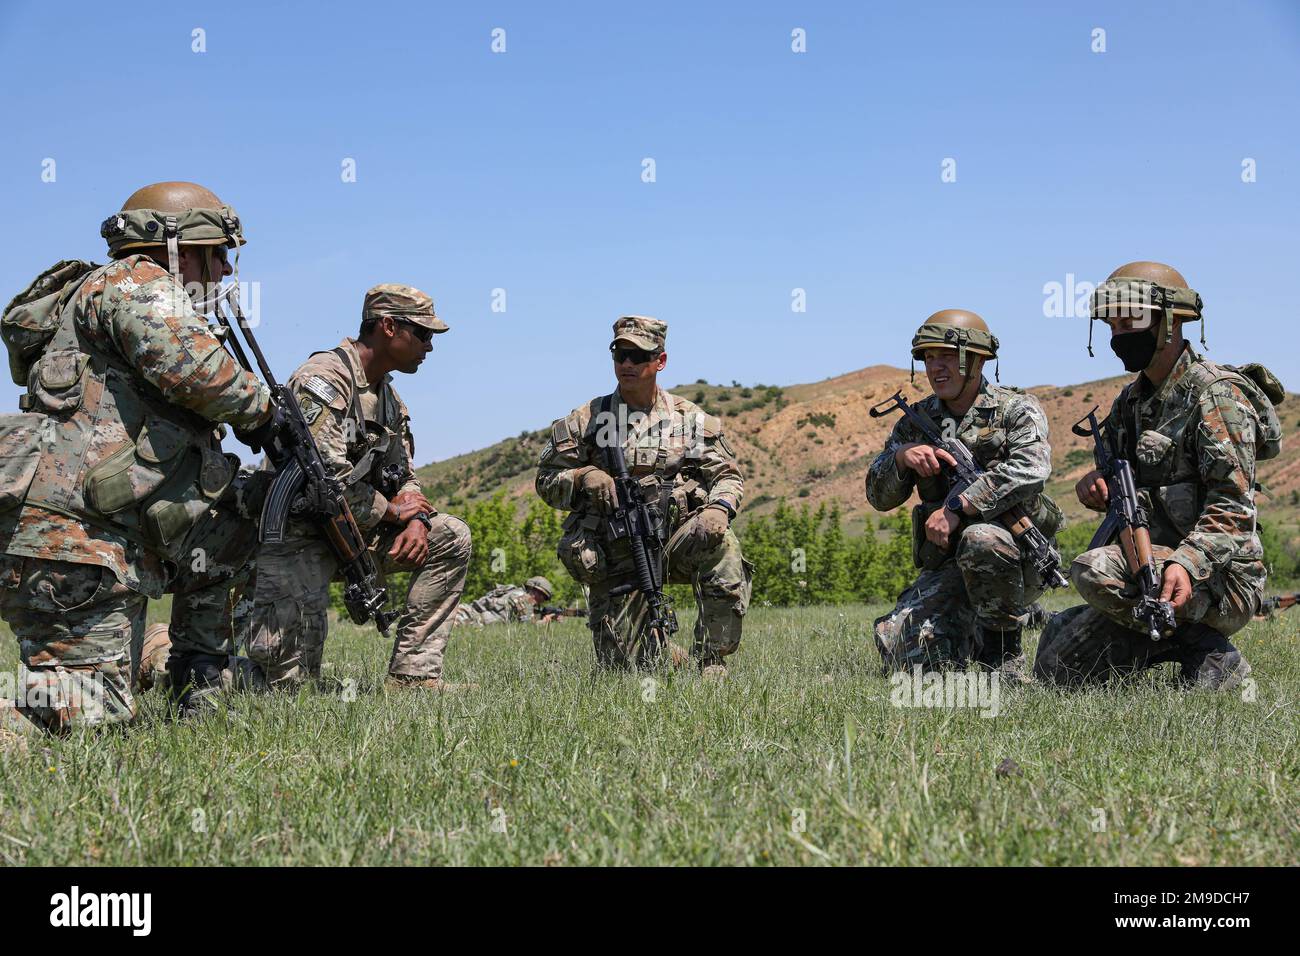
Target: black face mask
{"points": [[1135, 349]]}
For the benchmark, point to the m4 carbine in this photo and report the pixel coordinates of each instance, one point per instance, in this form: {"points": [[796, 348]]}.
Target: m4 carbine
{"points": [[643, 528], [548, 609], [303, 486], [1127, 520], [1015, 519]]}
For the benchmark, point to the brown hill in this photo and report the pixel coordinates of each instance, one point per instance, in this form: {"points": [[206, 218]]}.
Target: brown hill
{"points": [[812, 443]]}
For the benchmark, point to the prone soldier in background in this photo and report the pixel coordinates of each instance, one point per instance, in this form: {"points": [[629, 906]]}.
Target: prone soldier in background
{"points": [[510, 602]]}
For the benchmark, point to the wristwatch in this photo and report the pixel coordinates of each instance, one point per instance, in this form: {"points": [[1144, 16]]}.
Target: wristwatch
{"points": [[954, 504]]}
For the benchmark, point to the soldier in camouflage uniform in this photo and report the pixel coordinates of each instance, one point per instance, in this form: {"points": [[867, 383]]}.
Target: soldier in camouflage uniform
{"points": [[976, 589], [363, 431], [506, 603], [1192, 431], [687, 471], [129, 494]]}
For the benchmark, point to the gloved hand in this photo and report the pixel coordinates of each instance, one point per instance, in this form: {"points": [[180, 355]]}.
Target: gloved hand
{"points": [[599, 488], [261, 437], [710, 525]]}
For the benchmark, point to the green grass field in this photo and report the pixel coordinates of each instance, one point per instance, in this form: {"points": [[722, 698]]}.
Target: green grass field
{"points": [[551, 763]]}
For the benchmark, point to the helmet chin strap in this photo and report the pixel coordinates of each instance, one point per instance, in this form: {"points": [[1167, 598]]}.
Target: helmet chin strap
{"points": [[173, 249]]}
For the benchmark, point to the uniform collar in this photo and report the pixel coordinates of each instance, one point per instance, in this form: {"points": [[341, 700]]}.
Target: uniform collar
{"points": [[349, 348], [1186, 360], [984, 398]]}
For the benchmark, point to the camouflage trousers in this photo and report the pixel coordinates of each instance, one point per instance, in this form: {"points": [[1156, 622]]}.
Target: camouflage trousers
{"points": [[720, 577], [80, 630], [291, 603], [1101, 639], [988, 583]]}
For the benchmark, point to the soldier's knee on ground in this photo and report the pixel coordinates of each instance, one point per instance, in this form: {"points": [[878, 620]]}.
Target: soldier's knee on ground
{"points": [[1092, 578], [1081, 644]]}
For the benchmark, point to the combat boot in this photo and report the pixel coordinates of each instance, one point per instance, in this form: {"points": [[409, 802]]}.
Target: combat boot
{"points": [[713, 669], [436, 684], [1001, 651], [1209, 660], [196, 683]]}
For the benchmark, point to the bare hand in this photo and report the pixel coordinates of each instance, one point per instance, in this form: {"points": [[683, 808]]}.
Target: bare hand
{"points": [[940, 526], [925, 460], [402, 508], [1177, 585], [412, 545], [1092, 491]]}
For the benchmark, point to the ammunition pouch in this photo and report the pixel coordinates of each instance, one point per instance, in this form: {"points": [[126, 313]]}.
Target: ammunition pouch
{"points": [[581, 550]]}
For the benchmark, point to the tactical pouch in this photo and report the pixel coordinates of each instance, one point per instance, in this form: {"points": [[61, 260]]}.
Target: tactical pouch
{"points": [[1047, 516], [20, 451], [580, 549], [56, 383], [175, 508], [926, 555], [130, 475]]}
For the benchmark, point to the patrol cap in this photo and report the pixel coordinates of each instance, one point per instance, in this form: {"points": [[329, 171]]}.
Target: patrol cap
{"points": [[641, 331], [402, 302], [539, 583]]}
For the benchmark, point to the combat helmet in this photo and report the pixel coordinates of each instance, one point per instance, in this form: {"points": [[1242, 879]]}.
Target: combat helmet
{"points": [[957, 329], [539, 583], [1146, 287], [172, 215]]}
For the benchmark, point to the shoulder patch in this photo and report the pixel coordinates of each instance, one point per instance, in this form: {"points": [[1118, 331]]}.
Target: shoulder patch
{"points": [[322, 389]]}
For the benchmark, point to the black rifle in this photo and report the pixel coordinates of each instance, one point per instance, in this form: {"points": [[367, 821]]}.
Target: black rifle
{"points": [[1278, 602], [643, 528], [1127, 520], [303, 487], [1015, 519], [546, 609]]}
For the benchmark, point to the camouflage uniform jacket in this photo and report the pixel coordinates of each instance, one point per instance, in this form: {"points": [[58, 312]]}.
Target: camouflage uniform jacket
{"points": [[132, 384], [361, 431], [505, 603], [1006, 432], [1191, 441], [675, 449]]}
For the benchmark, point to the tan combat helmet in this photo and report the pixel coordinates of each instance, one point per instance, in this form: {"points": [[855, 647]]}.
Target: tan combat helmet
{"points": [[957, 329], [540, 583], [1146, 287], [172, 215]]}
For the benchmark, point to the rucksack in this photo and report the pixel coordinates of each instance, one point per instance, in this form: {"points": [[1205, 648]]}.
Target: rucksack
{"points": [[31, 318], [27, 325]]}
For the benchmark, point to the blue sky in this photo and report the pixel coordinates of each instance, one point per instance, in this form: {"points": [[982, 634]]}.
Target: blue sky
{"points": [[774, 170]]}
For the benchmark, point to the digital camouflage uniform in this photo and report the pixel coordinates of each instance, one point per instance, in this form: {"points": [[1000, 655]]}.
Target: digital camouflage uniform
{"points": [[678, 454], [291, 602], [132, 496], [1192, 443], [984, 582], [501, 605]]}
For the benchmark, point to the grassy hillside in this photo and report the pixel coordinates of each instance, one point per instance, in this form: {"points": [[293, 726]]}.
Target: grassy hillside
{"points": [[814, 442]]}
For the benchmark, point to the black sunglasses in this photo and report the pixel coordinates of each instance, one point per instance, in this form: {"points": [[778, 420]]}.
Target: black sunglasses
{"points": [[636, 356], [421, 332]]}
